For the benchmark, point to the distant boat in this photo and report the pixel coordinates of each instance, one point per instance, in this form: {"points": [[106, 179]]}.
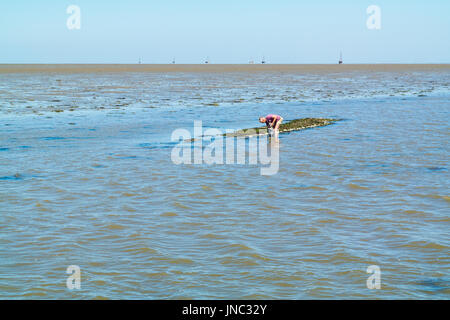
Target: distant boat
{"points": [[340, 59], [140, 61], [207, 60], [263, 60], [173, 61]]}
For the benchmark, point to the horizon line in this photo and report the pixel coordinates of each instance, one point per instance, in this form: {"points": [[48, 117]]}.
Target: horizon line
{"points": [[206, 64]]}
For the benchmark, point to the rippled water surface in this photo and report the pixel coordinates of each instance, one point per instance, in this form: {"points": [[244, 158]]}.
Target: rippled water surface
{"points": [[86, 179]]}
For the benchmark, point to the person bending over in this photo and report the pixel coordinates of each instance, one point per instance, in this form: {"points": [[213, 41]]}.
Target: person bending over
{"points": [[272, 121]]}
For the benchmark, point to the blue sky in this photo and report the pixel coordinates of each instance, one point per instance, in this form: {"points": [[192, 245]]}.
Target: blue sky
{"points": [[230, 31]]}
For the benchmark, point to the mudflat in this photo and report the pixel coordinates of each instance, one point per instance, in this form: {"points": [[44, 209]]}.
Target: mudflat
{"points": [[217, 68]]}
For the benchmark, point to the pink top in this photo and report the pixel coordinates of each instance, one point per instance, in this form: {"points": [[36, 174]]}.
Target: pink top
{"points": [[272, 117]]}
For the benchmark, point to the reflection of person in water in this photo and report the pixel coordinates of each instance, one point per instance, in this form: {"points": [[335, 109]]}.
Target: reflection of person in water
{"points": [[272, 121]]}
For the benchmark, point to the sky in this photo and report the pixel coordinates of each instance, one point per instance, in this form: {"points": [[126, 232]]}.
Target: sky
{"points": [[226, 31]]}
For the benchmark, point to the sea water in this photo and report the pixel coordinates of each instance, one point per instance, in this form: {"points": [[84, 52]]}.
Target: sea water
{"points": [[86, 179]]}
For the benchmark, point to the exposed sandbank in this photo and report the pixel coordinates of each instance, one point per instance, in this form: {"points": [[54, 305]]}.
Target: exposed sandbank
{"points": [[292, 125]]}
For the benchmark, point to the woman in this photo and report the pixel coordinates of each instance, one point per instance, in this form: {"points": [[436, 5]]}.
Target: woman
{"points": [[272, 121]]}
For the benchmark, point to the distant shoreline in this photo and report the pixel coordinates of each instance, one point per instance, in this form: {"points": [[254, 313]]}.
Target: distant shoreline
{"points": [[217, 68]]}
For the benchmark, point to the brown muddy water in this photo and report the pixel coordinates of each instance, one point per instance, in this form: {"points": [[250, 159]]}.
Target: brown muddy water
{"points": [[86, 179]]}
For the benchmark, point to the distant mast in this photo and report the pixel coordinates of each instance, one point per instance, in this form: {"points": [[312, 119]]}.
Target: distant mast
{"points": [[263, 61], [173, 61], [340, 59], [207, 60], [140, 61]]}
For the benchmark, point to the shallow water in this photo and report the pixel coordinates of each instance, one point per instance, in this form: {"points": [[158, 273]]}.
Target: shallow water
{"points": [[97, 188]]}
